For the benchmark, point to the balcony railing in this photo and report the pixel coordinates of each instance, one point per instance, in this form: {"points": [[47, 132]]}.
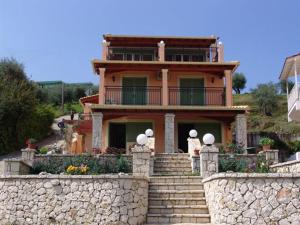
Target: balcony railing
{"points": [[138, 95], [214, 96], [132, 54], [209, 54], [293, 96]]}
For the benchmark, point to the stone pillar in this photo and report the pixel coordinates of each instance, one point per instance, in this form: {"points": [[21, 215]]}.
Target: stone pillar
{"points": [[241, 130], [165, 95], [28, 155], [272, 156], [105, 45], [169, 133], [161, 51], [209, 160], [228, 84], [101, 86], [141, 156], [97, 131]]}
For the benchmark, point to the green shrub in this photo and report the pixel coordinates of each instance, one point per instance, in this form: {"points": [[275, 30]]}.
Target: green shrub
{"points": [[49, 165], [262, 165], [294, 146], [232, 163], [266, 141], [43, 150], [122, 165]]}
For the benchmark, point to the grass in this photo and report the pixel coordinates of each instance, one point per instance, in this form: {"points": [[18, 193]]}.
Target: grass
{"points": [[277, 122]]}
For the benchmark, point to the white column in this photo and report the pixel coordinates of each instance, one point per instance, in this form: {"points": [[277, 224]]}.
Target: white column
{"points": [[296, 79], [97, 131]]}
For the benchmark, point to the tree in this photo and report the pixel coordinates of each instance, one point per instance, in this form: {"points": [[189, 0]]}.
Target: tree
{"points": [[20, 116], [79, 93], [265, 95], [238, 82], [282, 86]]}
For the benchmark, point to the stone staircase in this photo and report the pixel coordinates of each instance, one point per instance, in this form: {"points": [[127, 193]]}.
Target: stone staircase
{"points": [[175, 197]]}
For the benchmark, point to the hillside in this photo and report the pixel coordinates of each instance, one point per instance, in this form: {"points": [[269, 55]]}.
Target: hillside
{"points": [[276, 123]]}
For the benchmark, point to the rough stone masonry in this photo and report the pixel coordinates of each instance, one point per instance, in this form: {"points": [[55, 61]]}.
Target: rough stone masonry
{"points": [[65, 199]]}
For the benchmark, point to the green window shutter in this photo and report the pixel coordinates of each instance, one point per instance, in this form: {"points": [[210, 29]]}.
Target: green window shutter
{"points": [[191, 91], [213, 128], [134, 91]]}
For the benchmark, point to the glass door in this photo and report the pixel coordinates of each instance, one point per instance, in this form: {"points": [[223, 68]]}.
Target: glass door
{"points": [[134, 91], [191, 91]]}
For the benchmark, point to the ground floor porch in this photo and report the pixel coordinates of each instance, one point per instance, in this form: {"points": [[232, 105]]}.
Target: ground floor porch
{"points": [[119, 128]]}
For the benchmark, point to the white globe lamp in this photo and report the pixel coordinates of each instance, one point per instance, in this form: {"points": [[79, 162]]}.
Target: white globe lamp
{"points": [[149, 133], [208, 139], [141, 139], [193, 133]]}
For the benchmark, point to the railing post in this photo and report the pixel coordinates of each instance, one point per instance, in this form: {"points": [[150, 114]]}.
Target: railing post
{"points": [[209, 160], [141, 156]]}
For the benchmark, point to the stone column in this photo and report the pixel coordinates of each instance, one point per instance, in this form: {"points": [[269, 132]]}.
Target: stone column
{"points": [[101, 86], [161, 51], [209, 160], [165, 96], [241, 130], [141, 156], [272, 156], [97, 131], [28, 155], [228, 82], [169, 133]]}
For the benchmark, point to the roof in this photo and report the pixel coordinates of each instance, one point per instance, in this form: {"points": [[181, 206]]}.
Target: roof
{"points": [[94, 99], [288, 68], [118, 40], [209, 67]]}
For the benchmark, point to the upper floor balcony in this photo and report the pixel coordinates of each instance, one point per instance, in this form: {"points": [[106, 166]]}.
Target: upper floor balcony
{"points": [[204, 54], [152, 95]]}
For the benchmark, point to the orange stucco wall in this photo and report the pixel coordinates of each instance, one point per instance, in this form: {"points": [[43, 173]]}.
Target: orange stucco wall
{"points": [[173, 78]]}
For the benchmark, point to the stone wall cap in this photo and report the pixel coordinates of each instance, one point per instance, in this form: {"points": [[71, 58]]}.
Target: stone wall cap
{"points": [[250, 175], [56, 176], [141, 151], [73, 155], [285, 163], [28, 150]]}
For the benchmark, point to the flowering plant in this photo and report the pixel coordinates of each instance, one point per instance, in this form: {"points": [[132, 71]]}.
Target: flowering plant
{"points": [[82, 169]]}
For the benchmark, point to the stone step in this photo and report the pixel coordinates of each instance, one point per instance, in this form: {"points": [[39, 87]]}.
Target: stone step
{"points": [[181, 209], [175, 179], [175, 186], [172, 173], [177, 201], [178, 218], [166, 170], [172, 154], [172, 165], [176, 194], [171, 158]]}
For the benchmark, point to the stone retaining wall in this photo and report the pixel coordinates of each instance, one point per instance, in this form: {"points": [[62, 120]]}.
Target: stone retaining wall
{"points": [[237, 198], [64, 199], [287, 167]]}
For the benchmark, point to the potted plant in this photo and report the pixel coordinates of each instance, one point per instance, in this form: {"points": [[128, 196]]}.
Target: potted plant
{"points": [[31, 143], [266, 143]]}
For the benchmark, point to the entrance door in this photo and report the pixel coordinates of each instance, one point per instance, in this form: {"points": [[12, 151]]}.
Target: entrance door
{"points": [[183, 134], [191, 91], [134, 91], [117, 135]]}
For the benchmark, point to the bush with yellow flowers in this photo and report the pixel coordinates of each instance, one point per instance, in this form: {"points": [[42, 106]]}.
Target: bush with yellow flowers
{"points": [[78, 170]]}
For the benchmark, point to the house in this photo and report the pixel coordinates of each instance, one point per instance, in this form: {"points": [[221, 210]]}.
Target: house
{"points": [[291, 70], [166, 83]]}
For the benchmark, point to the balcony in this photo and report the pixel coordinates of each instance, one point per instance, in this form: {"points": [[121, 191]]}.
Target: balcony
{"points": [[152, 95], [205, 96], [132, 54], [209, 54], [294, 103], [129, 95]]}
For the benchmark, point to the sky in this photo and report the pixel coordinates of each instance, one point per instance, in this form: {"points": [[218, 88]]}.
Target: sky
{"points": [[57, 39]]}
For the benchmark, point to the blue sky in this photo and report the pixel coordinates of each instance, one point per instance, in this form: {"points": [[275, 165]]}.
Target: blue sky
{"points": [[57, 39]]}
